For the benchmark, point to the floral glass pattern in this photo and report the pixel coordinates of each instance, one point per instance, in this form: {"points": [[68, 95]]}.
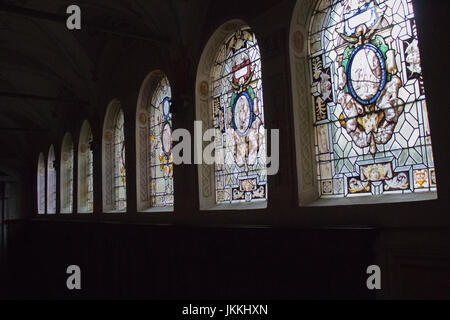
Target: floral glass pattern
{"points": [[238, 120], [372, 134]]}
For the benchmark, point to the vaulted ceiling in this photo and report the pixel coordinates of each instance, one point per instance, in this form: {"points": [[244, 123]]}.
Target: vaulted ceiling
{"points": [[45, 68], [47, 71]]}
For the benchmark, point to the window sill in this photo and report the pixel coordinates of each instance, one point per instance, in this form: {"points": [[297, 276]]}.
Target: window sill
{"points": [[370, 199], [237, 206], [116, 211], [157, 210], [85, 212]]}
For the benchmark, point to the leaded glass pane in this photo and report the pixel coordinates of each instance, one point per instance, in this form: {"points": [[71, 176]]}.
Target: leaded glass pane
{"points": [[120, 182], [41, 185], [371, 126], [67, 176], [89, 179], [161, 159], [238, 119], [51, 182]]}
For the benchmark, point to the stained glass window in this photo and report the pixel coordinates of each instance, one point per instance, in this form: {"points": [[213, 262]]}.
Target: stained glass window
{"points": [[238, 119], [372, 133], [85, 170], [120, 182], [67, 175], [161, 159], [90, 176], [51, 182], [41, 185]]}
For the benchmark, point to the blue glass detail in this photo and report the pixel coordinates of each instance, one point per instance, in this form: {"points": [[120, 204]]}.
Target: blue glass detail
{"points": [[369, 22], [166, 108], [382, 62], [250, 103]]}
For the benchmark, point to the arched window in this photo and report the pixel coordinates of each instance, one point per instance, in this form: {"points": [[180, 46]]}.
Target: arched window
{"points": [[66, 186], [119, 163], [85, 170], [230, 93], [154, 145], [51, 181], [41, 184], [114, 172], [371, 130]]}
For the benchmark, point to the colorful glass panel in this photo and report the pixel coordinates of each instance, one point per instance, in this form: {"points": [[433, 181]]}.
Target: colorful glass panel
{"points": [[120, 182], [161, 159], [90, 176], [238, 119], [67, 177], [41, 185], [372, 134], [51, 182], [85, 167]]}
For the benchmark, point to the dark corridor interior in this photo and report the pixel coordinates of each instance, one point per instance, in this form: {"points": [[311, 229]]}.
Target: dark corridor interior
{"points": [[52, 79]]}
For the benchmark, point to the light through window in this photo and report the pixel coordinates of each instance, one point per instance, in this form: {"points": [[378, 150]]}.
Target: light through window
{"points": [[51, 181], [161, 159], [41, 185], [90, 176], [120, 182], [85, 170], [371, 125], [238, 119]]}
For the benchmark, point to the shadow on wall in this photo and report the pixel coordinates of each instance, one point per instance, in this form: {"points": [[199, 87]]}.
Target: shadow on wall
{"points": [[8, 206]]}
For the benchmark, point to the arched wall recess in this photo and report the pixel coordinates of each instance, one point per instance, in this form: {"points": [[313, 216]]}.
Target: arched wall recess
{"points": [[41, 184], [229, 100], [51, 181], [113, 159], [362, 131], [66, 174], [154, 160], [85, 170]]}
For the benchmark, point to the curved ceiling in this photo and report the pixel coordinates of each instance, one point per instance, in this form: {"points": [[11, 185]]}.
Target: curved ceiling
{"points": [[45, 67], [47, 71]]}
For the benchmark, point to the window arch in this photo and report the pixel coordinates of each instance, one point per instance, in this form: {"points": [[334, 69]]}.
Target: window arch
{"points": [[66, 173], [230, 100], [85, 170], [155, 185], [41, 184], [370, 122], [114, 172], [51, 181]]}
